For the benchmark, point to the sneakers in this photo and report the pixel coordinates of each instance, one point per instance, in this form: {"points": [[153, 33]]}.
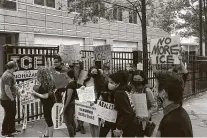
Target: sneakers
{"points": [[81, 129]]}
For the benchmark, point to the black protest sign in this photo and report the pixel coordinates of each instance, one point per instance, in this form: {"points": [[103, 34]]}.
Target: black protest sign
{"points": [[165, 50]]}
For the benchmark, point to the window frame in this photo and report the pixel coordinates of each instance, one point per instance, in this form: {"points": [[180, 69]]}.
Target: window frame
{"points": [[132, 13], [16, 8], [45, 5]]}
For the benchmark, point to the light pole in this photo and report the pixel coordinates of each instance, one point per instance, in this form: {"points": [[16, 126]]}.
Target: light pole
{"points": [[201, 27]]}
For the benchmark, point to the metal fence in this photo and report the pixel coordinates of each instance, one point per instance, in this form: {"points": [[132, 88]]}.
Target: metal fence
{"points": [[29, 59]]}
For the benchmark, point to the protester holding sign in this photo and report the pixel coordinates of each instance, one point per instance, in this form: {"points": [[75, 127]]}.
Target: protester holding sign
{"points": [[46, 94], [126, 115], [107, 96], [69, 104], [95, 79]]}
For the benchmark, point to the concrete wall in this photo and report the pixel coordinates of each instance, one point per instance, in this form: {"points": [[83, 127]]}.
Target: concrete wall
{"points": [[31, 19]]}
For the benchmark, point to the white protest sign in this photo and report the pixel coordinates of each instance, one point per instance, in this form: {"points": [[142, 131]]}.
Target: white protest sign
{"points": [[25, 74], [106, 111], [70, 53], [103, 54], [139, 66], [165, 50], [85, 112], [87, 94], [56, 117], [25, 90], [140, 103]]}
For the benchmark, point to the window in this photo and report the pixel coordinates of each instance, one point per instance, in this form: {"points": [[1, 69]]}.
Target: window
{"points": [[48, 3], [132, 17], [8, 4], [117, 13]]}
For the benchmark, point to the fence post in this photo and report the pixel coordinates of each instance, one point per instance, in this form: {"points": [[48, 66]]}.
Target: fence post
{"points": [[193, 80]]}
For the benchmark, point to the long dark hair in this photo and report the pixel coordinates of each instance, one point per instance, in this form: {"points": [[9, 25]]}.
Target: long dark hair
{"points": [[98, 81]]}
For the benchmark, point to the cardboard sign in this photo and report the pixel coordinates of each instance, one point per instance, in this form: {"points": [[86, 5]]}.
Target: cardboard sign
{"points": [[70, 53], [25, 90], [25, 74], [140, 103], [106, 111], [56, 117], [85, 112], [87, 94], [165, 50], [103, 54]]}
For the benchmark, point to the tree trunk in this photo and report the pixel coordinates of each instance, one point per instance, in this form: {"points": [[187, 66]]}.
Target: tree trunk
{"points": [[205, 25], [144, 38]]}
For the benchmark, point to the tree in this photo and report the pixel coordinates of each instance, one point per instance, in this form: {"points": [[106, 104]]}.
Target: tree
{"points": [[183, 16], [92, 10]]}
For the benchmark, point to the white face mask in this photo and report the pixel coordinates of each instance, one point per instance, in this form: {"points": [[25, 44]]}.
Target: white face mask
{"points": [[112, 86]]}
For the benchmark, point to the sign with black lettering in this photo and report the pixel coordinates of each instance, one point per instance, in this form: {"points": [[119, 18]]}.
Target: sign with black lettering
{"points": [[25, 74], [27, 61], [165, 50], [106, 111], [86, 113], [103, 54], [56, 117]]}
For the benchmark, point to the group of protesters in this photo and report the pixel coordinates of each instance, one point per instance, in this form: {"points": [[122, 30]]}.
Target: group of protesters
{"points": [[115, 88]]}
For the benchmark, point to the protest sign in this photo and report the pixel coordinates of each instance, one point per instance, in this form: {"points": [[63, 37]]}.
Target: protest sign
{"points": [[25, 74], [165, 50], [103, 54], [106, 111], [56, 117], [140, 103], [86, 94], [25, 88], [85, 112], [70, 53], [140, 66]]}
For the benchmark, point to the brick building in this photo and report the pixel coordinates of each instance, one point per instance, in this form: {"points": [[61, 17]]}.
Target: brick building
{"points": [[43, 23]]}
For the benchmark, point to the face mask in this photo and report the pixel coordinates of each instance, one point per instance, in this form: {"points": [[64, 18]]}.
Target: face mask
{"points": [[111, 86], [138, 83], [93, 75]]}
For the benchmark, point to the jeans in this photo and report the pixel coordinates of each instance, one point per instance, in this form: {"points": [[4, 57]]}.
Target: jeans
{"points": [[104, 130], [70, 120], [8, 125], [47, 108]]}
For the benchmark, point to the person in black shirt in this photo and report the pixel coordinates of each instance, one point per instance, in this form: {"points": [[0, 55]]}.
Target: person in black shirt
{"points": [[176, 121], [69, 104], [126, 114]]}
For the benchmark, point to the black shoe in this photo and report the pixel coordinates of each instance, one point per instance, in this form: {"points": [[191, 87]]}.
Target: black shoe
{"points": [[4, 134], [78, 129], [82, 130]]}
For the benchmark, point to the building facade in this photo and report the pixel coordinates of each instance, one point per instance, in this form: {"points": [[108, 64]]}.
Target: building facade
{"points": [[44, 23]]}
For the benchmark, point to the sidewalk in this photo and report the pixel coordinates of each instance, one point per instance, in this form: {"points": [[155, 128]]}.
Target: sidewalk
{"points": [[196, 107]]}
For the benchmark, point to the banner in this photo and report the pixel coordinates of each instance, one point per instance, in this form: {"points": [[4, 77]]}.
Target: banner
{"points": [[165, 50], [87, 94], [25, 74], [86, 113], [56, 117], [70, 53], [25, 88], [103, 54], [140, 103], [106, 111]]}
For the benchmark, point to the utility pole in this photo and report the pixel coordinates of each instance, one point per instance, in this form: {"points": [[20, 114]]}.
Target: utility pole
{"points": [[144, 38], [201, 26]]}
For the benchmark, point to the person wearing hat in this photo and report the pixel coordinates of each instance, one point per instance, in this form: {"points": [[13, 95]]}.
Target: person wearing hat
{"points": [[7, 96], [176, 121]]}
